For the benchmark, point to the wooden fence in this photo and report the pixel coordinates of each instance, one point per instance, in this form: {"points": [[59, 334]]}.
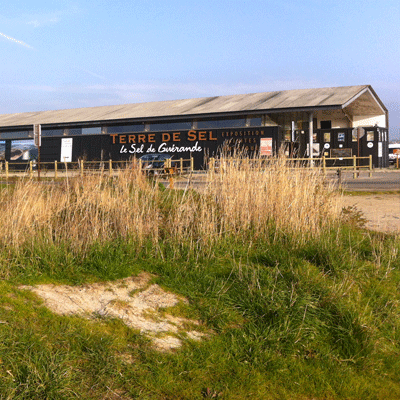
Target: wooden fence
{"points": [[325, 163], [169, 167], [58, 169]]}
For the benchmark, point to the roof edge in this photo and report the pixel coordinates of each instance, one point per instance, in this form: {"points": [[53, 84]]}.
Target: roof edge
{"points": [[367, 88]]}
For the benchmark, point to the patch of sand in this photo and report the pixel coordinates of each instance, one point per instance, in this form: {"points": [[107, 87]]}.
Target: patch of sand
{"points": [[382, 211], [133, 300]]}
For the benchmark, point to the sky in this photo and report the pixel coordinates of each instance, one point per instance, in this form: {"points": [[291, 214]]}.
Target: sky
{"points": [[84, 53]]}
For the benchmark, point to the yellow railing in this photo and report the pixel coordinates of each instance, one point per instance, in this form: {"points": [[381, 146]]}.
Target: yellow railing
{"points": [[325, 163]]}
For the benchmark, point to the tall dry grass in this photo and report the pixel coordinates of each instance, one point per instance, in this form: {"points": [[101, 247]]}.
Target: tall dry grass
{"points": [[253, 195], [242, 200]]}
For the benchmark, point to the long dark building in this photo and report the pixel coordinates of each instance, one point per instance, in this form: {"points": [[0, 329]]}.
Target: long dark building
{"points": [[332, 122]]}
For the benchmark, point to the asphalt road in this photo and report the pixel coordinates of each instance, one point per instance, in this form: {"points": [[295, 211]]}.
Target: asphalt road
{"points": [[381, 180]]}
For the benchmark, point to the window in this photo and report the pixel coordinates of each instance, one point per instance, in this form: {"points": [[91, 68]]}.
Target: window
{"points": [[75, 131], [370, 136], [221, 123], [254, 121], [91, 131], [327, 137], [326, 124], [125, 128], [52, 132], [171, 126], [341, 136], [16, 134], [95, 130]]}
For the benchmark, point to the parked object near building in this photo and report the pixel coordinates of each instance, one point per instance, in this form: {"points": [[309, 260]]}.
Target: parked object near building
{"points": [[154, 162], [332, 122], [394, 152]]}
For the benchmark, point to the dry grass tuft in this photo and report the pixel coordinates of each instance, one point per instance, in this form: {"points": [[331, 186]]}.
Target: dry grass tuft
{"points": [[242, 199], [253, 196]]}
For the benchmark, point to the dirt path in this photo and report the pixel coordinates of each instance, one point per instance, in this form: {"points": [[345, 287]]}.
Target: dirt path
{"points": [[382, 211]]}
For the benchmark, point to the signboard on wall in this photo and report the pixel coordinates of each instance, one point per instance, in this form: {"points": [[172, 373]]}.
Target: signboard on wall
{"points": [[266, 146], [66, 150], [335, 153], [194, 143], [37, 135], [23, 150], [316, 149]]}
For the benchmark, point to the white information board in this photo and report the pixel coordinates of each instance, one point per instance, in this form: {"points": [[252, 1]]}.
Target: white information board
{"points": [[266, 146], [379, 149], [66, 150]]}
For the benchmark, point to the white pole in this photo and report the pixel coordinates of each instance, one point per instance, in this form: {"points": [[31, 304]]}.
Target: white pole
{"points": [[311, 137]]}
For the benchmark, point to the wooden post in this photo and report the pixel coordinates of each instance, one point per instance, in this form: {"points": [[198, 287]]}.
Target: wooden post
{"points": [[81, 165], [55, 169], [6, 170], [339, 174], [191, 164], [181, 166], [355, 175], [30, 169], [110, 167], [324, 165], [38, 162], [370, 165]]}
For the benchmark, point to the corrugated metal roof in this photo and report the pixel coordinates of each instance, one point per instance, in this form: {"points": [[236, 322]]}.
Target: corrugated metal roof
{"points": [[288, 99]]}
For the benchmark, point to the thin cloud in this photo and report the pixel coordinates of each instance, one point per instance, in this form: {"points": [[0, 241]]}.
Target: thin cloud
{"points": [[93, 74], [16, 41], [35, 88], [36, 23], [50, 18]]}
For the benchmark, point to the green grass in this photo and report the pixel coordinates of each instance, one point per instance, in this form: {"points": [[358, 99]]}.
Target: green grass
{"points": [[318, 321]]}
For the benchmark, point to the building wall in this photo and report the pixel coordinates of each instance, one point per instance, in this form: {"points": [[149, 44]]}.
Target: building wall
{"points": [[199, 144], [338, 118], [379, 120]]}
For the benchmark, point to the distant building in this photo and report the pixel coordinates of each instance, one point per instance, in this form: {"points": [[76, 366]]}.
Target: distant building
{"points": [[337, 122]]}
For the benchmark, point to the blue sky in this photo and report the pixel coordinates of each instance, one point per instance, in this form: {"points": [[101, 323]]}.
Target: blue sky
{"points": [[68, 54]]}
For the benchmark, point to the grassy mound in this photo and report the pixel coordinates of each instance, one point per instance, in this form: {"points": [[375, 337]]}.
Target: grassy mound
{"points": [[301, 302]]}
